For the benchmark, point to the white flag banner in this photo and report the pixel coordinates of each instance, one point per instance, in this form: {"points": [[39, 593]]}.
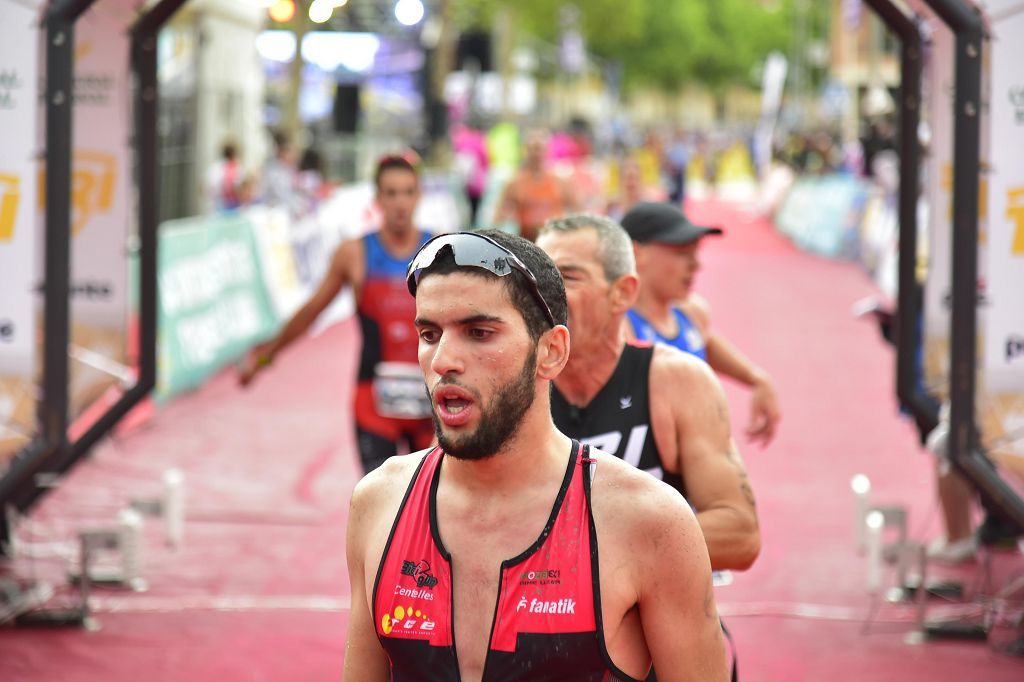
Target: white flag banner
{"points": [[1004, 333], [19, 81], [101, 166], [939, 191]]}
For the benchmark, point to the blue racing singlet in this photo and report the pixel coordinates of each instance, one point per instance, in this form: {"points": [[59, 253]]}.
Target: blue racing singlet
{"points": [[385, 308], [689, 339]]}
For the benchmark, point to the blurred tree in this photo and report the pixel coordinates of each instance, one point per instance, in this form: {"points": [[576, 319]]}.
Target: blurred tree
{"points": [[665, 43]]}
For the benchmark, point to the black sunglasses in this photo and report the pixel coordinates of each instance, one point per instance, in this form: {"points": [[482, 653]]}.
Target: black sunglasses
{"points": [[477, 251]]}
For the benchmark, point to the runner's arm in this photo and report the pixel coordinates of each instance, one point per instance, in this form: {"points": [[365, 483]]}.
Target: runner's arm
{"points": [[675, 595], [338, 275], [716, 479], [725, 358]]}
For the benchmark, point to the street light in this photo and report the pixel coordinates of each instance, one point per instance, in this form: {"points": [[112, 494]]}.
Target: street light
{"points": [[320, 11], [282, 11], [409, 12]]}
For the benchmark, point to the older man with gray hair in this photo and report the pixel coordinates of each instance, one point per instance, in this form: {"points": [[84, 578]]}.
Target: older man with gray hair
{"points": [[656, 407]]}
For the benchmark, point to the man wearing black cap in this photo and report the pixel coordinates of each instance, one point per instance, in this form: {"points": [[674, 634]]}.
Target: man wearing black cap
{"points": [[667, 310]]}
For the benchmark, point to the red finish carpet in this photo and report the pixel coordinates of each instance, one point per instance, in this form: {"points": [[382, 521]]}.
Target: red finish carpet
{"points": [[259, 591]]}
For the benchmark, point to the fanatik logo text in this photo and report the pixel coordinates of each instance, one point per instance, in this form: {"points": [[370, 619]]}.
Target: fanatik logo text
{"points": [[542, 606]]}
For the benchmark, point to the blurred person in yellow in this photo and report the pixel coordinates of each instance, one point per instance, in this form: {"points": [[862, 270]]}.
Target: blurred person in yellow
{"points": [[632, 190]]}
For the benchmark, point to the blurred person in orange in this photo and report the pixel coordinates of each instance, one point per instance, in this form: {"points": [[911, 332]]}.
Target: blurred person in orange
{"points": [[535, 193]]}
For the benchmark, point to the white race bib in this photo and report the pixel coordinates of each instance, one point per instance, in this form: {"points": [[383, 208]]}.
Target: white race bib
{"points": [[399, 391]]}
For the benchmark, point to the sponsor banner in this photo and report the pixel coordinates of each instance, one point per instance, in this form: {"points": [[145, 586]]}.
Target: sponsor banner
{"points": [[772, 81], [822, 214], [1004, 330], [100, 180], [271, 228], [939, 191], [19, 81], [213, 304]]}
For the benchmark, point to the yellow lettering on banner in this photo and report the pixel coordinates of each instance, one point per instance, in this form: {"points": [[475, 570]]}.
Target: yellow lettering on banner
{"points": [[82, 49], [1015, 212], [10, 193], [93, 179]]}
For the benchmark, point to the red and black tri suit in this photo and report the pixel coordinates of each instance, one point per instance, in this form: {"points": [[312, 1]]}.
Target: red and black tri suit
{"points": [[547, 619]]}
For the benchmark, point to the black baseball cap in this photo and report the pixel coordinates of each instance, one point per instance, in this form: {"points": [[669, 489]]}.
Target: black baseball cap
{"points": [[662, 224]]}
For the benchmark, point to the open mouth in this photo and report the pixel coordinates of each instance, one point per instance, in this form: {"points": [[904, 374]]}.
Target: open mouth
{"points": [[453, 404]]}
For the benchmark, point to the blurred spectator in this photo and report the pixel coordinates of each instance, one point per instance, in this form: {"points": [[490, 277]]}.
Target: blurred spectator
{"points": [[279, 175], [880, 136], [471, 165], [632, 190], [311, 185], [224, 180], [676, 157]]}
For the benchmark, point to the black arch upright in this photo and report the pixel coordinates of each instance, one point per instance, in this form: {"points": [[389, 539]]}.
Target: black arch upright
{"points": [[32, 473], [964, 445]]}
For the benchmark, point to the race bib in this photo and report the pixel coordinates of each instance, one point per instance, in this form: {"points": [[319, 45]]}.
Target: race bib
{"points": [[399, 392]]}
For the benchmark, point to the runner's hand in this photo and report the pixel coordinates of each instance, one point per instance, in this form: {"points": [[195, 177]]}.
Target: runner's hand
{"points": [[255, 360], [764, 413]]}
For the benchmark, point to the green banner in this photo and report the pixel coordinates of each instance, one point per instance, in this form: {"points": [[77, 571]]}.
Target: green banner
{"points": [[213, 304]]}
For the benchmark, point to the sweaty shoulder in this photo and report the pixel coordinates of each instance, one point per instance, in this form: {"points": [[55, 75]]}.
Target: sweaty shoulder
{"points": [[627, 499], [349, 259], [379, 494], [670, 364]]}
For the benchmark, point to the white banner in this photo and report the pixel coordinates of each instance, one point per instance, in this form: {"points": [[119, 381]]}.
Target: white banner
{"points": [[939, 190], [19, 31], [939, 193], [101, 166], [1004, 334]]}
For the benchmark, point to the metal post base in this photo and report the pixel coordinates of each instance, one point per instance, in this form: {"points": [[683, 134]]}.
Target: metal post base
{"points": [[1014, 648], [962, 630], [55, 618]]}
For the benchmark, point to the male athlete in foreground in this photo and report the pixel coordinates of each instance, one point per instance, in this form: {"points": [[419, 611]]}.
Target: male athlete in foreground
{"points": [[511, 552]]}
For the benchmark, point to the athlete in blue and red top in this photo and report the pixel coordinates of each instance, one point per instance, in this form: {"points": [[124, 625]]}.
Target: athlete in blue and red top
{"points": [[510, 552], [389, 403]]}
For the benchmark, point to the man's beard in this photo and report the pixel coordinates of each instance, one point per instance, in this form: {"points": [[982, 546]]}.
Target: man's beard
{"points": [[498, 422]]}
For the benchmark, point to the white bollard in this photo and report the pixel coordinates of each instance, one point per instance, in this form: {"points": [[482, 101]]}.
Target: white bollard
{"points": [[174, 506], [131, 524], [861, 486], [875, 524]]}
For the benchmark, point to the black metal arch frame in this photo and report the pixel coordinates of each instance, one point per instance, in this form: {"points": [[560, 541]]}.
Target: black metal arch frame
{"points": [[33, 471], [964, 446], [51, 454]]}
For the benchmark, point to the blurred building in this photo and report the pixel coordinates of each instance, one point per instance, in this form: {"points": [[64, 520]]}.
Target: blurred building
{"points": [[864, 65]]}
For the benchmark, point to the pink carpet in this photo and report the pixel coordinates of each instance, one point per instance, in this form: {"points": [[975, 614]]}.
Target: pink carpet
{"points": [[259, 589]]}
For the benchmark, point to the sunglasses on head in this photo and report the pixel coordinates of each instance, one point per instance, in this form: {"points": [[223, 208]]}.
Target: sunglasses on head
{"points": [[476, 251]]}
